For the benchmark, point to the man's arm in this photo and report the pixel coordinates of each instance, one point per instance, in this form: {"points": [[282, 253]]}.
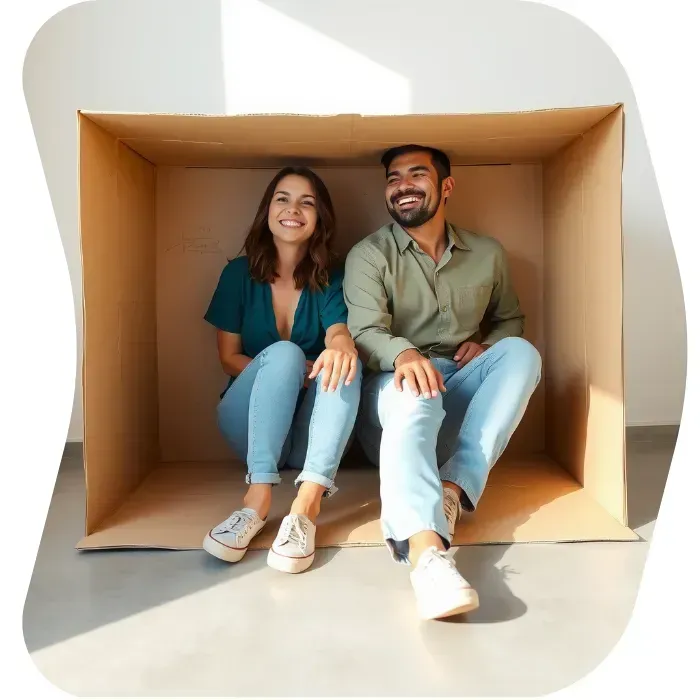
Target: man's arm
{"points": [[369, 319], [504, 316]]}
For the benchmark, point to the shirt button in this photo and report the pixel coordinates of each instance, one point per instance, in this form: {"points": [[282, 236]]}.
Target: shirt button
{"points": [[444, 309]]}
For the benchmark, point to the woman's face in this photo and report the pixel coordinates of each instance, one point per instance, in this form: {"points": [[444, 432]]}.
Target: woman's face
{"points": [[292, 217]]}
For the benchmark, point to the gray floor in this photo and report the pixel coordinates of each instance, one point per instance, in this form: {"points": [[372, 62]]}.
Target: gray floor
{"points": [[181, 623]]}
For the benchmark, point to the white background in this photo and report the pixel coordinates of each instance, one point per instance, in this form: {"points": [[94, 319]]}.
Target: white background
{"points": [[156, 57], [501, 55]]}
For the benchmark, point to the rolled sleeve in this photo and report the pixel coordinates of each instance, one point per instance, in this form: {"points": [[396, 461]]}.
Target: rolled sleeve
{"points": [[369, 320], [225, 310]]}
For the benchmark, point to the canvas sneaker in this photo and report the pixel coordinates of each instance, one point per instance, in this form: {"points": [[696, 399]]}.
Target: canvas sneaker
{"points": [[453, 508], [293, 549], [230, 540], [441, 591]]}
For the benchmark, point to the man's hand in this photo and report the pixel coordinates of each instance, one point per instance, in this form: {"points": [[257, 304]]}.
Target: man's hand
{"points": [[467, 351], [419, 373]]}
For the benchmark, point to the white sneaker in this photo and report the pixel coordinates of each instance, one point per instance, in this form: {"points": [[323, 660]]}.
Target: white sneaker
{"points": [[440, 589], [293, 549], [453, 508], [230, 540]]}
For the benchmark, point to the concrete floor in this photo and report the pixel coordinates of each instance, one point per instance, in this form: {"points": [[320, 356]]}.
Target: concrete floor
{"points": [[181, 623]]}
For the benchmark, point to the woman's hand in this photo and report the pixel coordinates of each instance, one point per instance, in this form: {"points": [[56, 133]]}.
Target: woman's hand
{"points": [[335, 363]]}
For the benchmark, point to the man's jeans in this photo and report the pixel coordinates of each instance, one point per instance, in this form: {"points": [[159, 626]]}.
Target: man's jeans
{"points": [[456, 437]]}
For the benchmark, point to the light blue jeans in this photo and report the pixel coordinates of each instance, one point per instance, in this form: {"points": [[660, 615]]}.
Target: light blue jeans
{"points": [[270, 422], [458, 436]]}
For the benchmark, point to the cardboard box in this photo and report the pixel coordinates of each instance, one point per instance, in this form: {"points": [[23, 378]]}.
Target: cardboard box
{"points": [[166, 199]]}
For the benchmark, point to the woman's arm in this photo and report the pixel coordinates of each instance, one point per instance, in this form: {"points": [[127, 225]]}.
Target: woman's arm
{"points": [[338, 360], [338, 338], [232, 359]]}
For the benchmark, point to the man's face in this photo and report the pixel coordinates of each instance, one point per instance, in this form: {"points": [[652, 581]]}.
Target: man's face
{"points": [[414, 192]]}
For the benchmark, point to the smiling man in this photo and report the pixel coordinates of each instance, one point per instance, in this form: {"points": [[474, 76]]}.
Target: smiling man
{"points": [[443, 394]]}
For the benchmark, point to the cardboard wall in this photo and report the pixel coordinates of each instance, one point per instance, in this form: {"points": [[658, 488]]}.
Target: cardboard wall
{"points": [[202, 219], [156, 237], [117, 211], [583, 312]]}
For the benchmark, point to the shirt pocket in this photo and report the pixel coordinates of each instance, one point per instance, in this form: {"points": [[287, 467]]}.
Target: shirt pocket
{"points": [[472, 303]]}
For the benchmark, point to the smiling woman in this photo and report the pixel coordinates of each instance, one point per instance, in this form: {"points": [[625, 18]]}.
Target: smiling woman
{"points": [[294, 375], [296, 212]]}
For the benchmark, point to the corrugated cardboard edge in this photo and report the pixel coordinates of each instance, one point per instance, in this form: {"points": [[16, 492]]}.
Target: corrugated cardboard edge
{"points": [[84, 546], [623, 117], [82, 320], [612, 107]]}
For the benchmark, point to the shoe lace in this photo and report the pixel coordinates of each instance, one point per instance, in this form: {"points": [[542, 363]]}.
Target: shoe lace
{"points": [[294, 530], [238, 524], [441, 565], [451, 506]]}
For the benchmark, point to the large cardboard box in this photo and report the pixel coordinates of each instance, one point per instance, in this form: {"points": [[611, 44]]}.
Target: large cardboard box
{"points": [[166, 199]]}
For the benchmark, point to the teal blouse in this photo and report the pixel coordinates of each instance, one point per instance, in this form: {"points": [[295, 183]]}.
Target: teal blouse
{"points": [[243, 306]]}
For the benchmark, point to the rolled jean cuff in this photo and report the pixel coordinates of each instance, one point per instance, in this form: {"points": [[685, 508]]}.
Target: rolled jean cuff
{"points": [[263, 478], [467, 497], [399, 547], [317, 479]]}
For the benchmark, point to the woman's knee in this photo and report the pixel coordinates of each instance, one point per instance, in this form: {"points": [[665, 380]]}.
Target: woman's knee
{"points": [[285, 352]]}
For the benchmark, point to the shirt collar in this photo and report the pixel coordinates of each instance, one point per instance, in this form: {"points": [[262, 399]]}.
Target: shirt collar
{"points": [[455, 238], [403, 240]]}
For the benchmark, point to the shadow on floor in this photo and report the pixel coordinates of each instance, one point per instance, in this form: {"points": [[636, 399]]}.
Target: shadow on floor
{"points": [[72, 593], [497, 603], [649, 455]]}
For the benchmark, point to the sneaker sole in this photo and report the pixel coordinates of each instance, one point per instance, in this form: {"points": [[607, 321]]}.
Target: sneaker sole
{"points": [[289, 565], [464, 603], [221, 551]]}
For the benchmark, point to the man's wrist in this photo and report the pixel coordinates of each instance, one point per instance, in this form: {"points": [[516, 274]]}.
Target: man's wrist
{"points": [[405, 356]]}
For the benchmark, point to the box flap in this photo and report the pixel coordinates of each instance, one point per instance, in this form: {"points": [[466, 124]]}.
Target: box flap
{"points": [[525, 501], [272, 140]]}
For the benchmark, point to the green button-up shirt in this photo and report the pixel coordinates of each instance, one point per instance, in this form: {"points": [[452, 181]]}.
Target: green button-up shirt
{"points": [[398, 297]]}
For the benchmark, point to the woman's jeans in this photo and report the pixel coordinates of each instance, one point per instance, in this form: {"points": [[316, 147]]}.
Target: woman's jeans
{"points": [[269, 421]]}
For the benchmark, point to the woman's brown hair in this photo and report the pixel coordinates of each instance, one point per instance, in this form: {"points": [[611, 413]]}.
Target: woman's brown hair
{"points": [[259, 246]]}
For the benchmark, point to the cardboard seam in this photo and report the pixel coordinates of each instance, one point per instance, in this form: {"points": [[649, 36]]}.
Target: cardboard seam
{"points": [[479, 164], [368, 142]]}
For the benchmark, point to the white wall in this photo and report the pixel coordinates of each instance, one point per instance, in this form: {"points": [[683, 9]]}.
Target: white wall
{"points": [[361, 56]]}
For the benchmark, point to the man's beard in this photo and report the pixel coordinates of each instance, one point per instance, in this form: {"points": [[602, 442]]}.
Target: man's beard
{"points": [[413, 218]]}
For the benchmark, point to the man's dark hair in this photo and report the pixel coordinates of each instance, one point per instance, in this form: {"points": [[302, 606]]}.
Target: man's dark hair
{"points": [[440, 160]]}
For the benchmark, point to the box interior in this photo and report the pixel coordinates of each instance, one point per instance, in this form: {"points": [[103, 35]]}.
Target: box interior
{"points": [[165, 200]]}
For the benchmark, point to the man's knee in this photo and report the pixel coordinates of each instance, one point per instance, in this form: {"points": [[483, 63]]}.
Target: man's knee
{"points": [[395, 405], [521, 355]]}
